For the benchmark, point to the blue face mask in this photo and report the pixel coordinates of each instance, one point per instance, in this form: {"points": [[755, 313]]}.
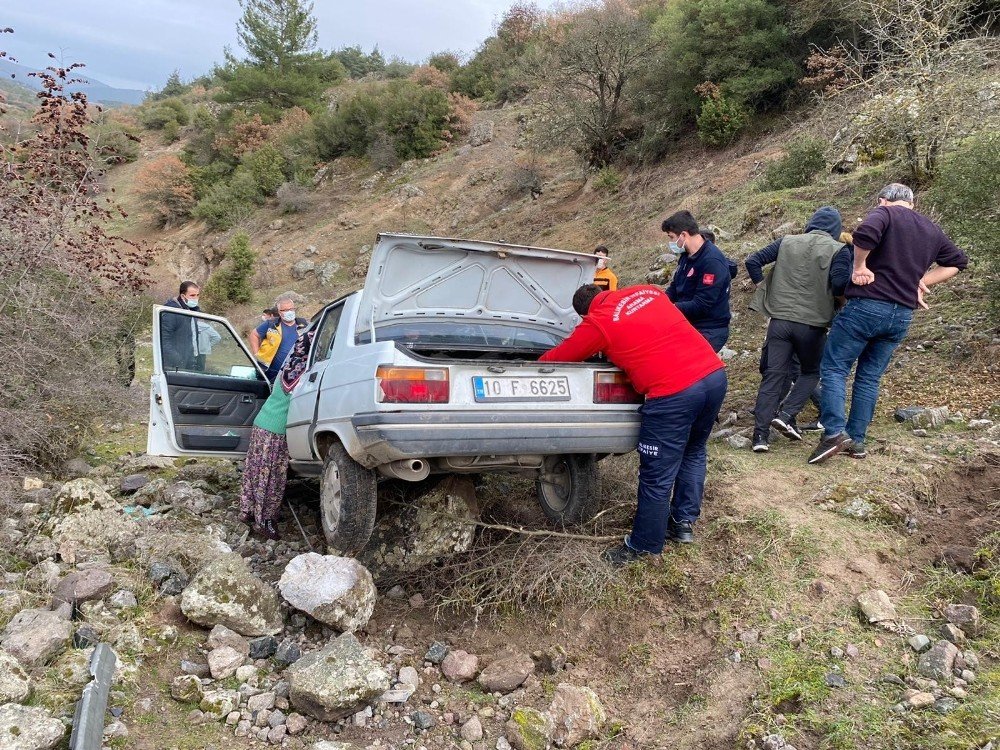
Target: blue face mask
{"points": [[191, 303], [675, 248], [288, 316]]}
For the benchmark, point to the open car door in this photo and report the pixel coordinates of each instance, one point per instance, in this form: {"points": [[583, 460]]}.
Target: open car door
{"points": [[206, 387]]}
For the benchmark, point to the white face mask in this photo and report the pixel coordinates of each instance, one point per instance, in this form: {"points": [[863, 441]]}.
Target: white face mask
{"points": [[288, 316], [602, 263]]}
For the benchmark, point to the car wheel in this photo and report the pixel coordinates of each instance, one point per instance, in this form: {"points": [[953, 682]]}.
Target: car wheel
{"points": [[347, 502], [569, 488]]}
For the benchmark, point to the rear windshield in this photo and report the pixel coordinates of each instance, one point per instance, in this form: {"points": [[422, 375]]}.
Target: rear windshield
{"points": [[462, 335]]}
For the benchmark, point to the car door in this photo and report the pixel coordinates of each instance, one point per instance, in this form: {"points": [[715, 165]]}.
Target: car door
{"points": [[206, 388]]}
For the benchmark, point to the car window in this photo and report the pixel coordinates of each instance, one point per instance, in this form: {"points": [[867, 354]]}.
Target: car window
{"points": [[461, 334], [204, 347], [323, 344]]}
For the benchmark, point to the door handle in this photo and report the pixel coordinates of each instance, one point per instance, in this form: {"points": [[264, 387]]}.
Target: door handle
{"points": [[313, 376]]}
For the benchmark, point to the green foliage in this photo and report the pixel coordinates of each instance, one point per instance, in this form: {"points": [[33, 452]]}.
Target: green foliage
{"points": [[226, 203], [412, 117], [720, 120], [113, 142], [276, 32], [358, 64], [173, 87], [803, 160], [233, 283], [398, 68], [966, 193], [267, 167], [159, 115], [608, 180], [446, 62]]}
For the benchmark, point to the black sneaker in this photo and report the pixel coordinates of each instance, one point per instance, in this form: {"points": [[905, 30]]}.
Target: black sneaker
{"points": [[760, 445], [830, 446], [622, 555], [856, 450], [786, 426], [814, 426], [681, 532]]}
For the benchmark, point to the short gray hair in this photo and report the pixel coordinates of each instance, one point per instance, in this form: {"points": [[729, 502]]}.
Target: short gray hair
{"points": [[286, 297], [896, 191]]}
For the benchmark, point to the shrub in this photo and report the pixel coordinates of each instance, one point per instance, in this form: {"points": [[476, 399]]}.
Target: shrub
{"points": [[463, 109], [293, 198], [158, 115], [164, 186], [721, 118], [966, 193], [267, 167], [428, 75], [229, 203], [608, 180], [803, 160], [113, 142], [232, 283]]}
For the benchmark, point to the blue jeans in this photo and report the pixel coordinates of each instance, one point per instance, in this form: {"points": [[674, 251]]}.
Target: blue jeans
{"points": [[672, 458], [866, 331]]}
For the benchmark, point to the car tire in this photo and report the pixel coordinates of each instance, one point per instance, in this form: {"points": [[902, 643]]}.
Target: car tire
{"points": [[348, 499], [569, 488]]}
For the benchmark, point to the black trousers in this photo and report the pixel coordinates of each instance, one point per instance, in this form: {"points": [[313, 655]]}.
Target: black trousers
{"points": [[787, 340]]}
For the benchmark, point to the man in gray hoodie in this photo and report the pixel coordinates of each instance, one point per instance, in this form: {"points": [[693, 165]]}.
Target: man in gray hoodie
{"points": [[810, 269]]}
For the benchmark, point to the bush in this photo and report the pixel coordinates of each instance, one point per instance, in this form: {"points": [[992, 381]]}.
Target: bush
{"points": [[721, 119], [164, 187], [966, 193], [804, 159], [267, 167], [158, 115], [293, 198], [228, 203], [113, 142], [428, 75], [608, 180], [232, 283]]}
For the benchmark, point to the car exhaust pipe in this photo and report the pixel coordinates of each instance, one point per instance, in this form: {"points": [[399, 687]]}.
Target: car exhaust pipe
{"points": [[410, 469]]}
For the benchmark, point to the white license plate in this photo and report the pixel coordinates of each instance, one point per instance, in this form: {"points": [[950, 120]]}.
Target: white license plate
{"points": [[521, 388]]}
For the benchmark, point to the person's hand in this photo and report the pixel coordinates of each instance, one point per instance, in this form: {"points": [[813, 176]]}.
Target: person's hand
{"points": [[862, 276], [922, 289]]}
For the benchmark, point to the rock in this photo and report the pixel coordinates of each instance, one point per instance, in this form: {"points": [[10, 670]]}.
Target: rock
{"points": [[123, 599], [931, 419], [945, 705], [144, 462], [83, 494], [482, 133], [296, 723], [115, 730], [970, 659], [337, 591], [739, 442], [44, 576], [953, 634], [223, 636], [423, 720], [726, 354], [437, 652], [287, 653], [261, 702], [132, 483], [219, 703], [336, 681], [84, 585], [848, 162], [530, 729], [76, 467], [876, 607], [920, 643], [506, 673], [326, 272], [938, 663], [28, 728], [73, 667], [835, 680], [965, 616], [960, 558], [578, 715], [550, 660], [472, 730], [263, 647], [223, 662], [980, 424], [85, 637], [30, 484], [276, 225], [789, 227], [15, 685], [36, 635], [276, 734], [907, 413], [302, 268], [226, 592], [409, 676], [918, 699], [460, 666], [95, 534], [186, 688], [327, 745], [276, 719]]}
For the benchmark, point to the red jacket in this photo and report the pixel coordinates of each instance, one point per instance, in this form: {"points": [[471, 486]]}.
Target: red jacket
{"points": [[643, 333]]}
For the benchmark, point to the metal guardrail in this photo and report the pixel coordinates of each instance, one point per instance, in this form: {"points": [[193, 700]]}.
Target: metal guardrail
{"points": [[88, 722]]}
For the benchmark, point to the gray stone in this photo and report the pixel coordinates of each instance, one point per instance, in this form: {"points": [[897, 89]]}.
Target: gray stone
{"points": [[159, 572], [578, 715], [326, 272], [261, 702], [876, 607], [835, 680], [84, 585], [472, 730], [36, 635], [437, 652], [931, 419], [920, 643], [460, 666], [301, 269], [123, 599], [83, 494], [953, 633], [482, 133], [423, 720], [219, 703], [336, 681], [76, 467], [296, 723], [287, 653], [506, 673], [226, 592], [28, 728], [409, 676], [275, 719], [263, 647], [739, 442], [726, 354], [530, 729], [190, 667], [337, 591], [15, 684], [276, 734], [187, 688], [789, 227], [85, 636], [223, 636], [945, 705], [964, 616], [223, 662], [907, 413], [133, 483], [938, 663]]}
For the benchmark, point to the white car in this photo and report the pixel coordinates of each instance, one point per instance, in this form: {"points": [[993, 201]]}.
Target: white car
{"points": [[430, 368]]}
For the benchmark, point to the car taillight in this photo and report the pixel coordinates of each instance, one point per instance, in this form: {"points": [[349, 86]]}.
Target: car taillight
{"points": [[412, 385], [614, 388]]}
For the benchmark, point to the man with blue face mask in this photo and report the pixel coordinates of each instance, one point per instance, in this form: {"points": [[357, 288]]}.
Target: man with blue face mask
{"points": [[272, 341], [179, 333]]}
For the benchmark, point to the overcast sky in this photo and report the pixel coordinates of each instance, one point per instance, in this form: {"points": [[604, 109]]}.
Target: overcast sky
{"points": [[137, 43]]}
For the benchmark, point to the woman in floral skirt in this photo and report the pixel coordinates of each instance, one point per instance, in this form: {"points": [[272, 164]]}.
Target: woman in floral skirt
{"points": [[265, 471]]}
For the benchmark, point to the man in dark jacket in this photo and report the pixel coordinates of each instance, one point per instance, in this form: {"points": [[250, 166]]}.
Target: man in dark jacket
{"points": [[809, 270], [700, 286], [894, 249], [179, 333]]}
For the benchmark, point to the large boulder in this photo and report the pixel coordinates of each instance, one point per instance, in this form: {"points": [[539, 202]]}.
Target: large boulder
{"points": [[938, 663], [84, 585], [226, 592], [83, 494], [28, 728], [336, 681], [507, 673], [15, 685], [530, 729], [36, 635], [578, 715], [337, 591], [105, 533]]}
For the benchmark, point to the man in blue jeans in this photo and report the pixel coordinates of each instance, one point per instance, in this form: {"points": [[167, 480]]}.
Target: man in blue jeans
{"points": [[894, 249]]}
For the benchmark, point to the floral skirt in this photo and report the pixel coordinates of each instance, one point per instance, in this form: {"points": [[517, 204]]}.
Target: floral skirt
{"points": [[264, 474]]}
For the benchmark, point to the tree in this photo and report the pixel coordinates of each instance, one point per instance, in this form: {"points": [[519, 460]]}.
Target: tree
{"points": [[589, 75], [164, 187], [276, 33], [233, 283]]}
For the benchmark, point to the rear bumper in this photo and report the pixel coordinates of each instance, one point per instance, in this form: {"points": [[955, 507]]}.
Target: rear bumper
{"points": [[394, 436]]}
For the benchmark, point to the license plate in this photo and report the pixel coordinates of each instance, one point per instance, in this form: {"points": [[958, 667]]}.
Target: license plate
{"points": [[521, 388]]}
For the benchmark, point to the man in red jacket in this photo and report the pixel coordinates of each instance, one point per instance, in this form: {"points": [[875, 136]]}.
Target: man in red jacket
{"points": [[641, 331]]}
